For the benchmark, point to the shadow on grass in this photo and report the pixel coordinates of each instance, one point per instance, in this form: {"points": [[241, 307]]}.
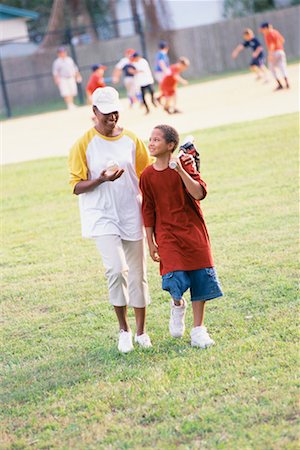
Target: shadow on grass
{"points": [[104, 362]]}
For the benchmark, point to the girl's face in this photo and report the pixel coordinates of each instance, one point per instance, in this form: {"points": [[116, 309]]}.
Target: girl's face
{"points": [[158, 145]]}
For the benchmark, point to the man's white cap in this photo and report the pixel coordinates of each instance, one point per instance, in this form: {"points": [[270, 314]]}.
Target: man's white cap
{"points": [[107, 100]]}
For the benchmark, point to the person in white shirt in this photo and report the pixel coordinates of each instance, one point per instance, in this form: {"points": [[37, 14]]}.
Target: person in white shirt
{"points": [[105, 165], [66, 75], [144, 78], [125, 67]]}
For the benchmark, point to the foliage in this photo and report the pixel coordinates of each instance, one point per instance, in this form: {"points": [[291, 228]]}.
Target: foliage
{"points": [[64, 384], [239, 8], [97, 10]]}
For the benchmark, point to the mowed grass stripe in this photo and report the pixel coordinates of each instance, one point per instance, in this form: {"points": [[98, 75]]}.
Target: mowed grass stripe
{"points": [[64, 384]]}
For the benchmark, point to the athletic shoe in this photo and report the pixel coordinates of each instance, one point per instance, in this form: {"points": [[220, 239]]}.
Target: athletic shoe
{"points": [[200, 338], [125, 341], [176, 324], [143, 340]]}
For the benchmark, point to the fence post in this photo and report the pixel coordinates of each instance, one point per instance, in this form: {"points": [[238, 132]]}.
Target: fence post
{"points": [[4, 92], [140, 31], [74, 56]]}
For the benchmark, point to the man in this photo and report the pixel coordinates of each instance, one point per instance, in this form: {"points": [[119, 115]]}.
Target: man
{"points": [[66, 76], [276, 54]]}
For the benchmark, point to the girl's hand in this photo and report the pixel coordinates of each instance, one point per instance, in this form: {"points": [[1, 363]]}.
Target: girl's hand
{"points": [[153, 250]]}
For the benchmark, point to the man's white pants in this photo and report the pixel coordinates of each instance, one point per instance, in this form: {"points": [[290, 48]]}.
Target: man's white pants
{"points": [[125, 264]]}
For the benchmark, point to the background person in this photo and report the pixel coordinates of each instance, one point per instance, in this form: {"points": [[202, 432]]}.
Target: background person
{"points": [[257, 63], [168, 86], [276, 54], [125, 67], [143, 78], [162, 64], [105, 165], [177, 235], [162, 61], [95, 81], [66, 76]]}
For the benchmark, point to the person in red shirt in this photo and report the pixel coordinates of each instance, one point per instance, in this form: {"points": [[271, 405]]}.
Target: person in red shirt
{"points": [[276, 54], [168, 85], [177, 235], [95, 81]]}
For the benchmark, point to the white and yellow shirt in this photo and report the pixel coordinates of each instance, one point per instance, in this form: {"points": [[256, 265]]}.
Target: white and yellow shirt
{"points": [[113, 207]]}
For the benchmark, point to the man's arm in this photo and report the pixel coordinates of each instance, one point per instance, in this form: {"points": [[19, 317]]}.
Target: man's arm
{"points": [[88, 185]]}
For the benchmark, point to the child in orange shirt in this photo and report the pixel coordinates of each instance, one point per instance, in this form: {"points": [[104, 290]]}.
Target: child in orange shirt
{"points": [[169, 83], [95, 81]]}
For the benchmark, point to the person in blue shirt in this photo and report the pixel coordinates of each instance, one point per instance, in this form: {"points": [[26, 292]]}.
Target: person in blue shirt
{"points": [[162, 64], [257, 63]]}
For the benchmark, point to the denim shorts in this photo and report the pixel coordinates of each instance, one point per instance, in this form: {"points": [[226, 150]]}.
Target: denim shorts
{"points": [[203, 284]]}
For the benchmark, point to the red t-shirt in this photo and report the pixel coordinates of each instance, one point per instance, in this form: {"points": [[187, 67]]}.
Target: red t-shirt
{"points": [[274, 40], [95, 82], [169, 82], [179, 226]]}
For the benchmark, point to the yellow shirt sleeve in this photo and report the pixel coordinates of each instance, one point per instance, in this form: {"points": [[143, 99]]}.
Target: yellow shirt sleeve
{"points": [[77, 162], [142, 157]]}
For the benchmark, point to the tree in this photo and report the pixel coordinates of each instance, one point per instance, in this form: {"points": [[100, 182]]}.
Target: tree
{"points": [[240, 8], [62, 14], [56, 23]]}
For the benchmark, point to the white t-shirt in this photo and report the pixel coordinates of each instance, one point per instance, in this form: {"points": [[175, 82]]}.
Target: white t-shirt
{"points": [[64, 67], [144, 77], [113, 207], [122, 63]]}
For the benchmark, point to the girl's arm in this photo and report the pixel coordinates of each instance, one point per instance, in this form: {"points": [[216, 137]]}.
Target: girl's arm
{"points": [[153, 248]]}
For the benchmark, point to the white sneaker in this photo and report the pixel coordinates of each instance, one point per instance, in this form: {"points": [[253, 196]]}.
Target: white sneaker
{"points": [[125, 341], [176, 324], [200, 338], [143, 340]]}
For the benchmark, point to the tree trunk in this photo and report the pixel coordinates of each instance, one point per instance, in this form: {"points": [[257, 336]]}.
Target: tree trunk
{"points": [[56, 24], [81, 18]]}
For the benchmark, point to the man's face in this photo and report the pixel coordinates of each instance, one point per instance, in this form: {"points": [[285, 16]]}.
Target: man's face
{"points": [[106, 121]]}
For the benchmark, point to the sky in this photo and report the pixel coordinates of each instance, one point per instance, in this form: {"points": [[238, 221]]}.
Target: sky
{"points": [[189, 13]]}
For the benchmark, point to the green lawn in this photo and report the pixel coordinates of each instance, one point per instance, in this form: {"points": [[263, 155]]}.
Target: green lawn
{"points": [[64, 384]]}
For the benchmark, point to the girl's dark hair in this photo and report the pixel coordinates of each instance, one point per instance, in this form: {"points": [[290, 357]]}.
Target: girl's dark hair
{"points": [[170, 134]]}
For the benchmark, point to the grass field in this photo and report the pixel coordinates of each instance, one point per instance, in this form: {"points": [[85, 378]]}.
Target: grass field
{"points": [[64, 384]]}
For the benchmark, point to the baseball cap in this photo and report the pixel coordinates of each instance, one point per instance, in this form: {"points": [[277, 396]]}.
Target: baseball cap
{"points": [[264, 25], [162, 44], [98, 66], [106, 99], [61, 49]]}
